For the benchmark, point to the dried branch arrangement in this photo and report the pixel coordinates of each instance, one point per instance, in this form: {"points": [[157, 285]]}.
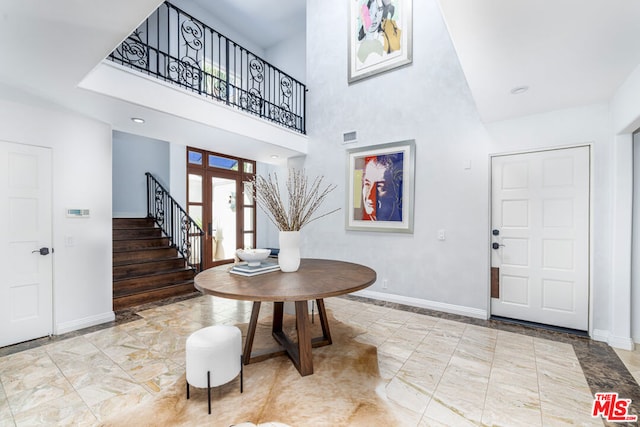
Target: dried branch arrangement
{"points": [[304, 199]]}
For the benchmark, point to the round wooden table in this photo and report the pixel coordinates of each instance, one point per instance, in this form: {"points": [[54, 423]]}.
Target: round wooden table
{"points": [[316, 279]]}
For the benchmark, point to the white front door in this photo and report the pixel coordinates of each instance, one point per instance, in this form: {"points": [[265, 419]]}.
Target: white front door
{"points": [[540, 237], [26, 284]]}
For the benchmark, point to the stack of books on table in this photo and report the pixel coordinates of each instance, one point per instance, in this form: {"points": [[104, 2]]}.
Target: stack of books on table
{"points": [[244, 269]]}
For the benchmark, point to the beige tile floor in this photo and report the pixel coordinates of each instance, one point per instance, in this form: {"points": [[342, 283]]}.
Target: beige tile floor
{"points": [[436, 372], [631, 360]]}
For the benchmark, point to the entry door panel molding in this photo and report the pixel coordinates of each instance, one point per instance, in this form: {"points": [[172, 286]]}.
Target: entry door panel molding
{"points": [[540, 207], [26, 286]]}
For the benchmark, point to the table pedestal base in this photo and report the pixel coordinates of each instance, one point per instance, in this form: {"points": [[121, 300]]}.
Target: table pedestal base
{"points": [[299, 352]]}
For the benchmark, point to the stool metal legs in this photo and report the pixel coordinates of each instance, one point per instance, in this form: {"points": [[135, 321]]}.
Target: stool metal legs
{"points": [[209, 385], [209, 390]]}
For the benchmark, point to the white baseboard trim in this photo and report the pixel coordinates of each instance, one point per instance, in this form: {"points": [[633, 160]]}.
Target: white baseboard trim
{"points": [[624, 343], [600, 335], [74, 325], [423, 303]]}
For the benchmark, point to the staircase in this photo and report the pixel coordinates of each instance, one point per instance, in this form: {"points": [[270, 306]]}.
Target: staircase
{"points": [[145, 267]]}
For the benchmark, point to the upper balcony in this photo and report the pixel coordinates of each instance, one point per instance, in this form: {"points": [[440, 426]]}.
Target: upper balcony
{"points": [[175, 47]]}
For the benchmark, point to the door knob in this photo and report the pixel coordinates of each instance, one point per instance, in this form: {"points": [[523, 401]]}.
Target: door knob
{"points": [[495, 232], [43, 251], [496, 245]]}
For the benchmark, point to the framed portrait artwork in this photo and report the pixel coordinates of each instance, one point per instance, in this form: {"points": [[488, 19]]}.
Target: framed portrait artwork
{"points": [[380, 36], [380, 187]]}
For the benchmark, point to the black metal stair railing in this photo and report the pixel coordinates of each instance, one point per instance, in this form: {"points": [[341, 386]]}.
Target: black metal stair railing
{"points": [[182, 230], [176, 47]]}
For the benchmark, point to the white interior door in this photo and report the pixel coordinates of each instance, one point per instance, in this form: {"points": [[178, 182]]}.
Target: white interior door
{"points": [[25, 226], [540, 245]]}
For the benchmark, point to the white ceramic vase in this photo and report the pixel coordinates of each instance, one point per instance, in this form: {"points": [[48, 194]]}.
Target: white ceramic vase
{"points": [[289, 255]]}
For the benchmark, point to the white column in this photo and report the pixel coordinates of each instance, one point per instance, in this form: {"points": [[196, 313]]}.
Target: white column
{"points": [[620, 325], [635, 248]]}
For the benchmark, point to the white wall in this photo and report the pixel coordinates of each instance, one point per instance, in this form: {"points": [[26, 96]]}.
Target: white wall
{"points": [[290, 55], [267, 232], [428, 101], [584, 125], [625, 107], [133, 156], [81, 148], [625, 111]]}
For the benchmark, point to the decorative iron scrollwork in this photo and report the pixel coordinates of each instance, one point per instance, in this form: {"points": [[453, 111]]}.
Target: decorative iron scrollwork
{"points": [[187, 71], [286, 85], [192, 34], [159, 211], [282, 113], [185, 244], [220, 90], [133, 50], [253, 99], [256, 68]]}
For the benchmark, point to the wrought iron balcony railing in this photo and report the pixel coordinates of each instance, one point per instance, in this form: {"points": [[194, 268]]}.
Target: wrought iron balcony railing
{"points": [[176, 47]]}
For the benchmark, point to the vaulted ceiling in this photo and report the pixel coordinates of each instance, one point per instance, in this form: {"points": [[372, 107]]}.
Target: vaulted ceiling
{"points": [[566, 52], [264, 22]]}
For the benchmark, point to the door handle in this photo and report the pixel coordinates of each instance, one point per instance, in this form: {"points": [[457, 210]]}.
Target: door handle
{"points": [[42, 251], [496, 245]]}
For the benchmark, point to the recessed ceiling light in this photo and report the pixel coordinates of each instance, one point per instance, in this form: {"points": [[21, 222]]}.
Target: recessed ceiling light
{"points": [[137, 120], [519, 89], [274, 156]]}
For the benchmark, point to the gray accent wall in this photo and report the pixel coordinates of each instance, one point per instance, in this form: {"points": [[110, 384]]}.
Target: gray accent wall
{"points": [[133, 156], [428, 101]]}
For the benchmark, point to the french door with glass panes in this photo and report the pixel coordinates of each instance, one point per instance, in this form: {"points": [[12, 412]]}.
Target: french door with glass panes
{"points": [[218, 199]]}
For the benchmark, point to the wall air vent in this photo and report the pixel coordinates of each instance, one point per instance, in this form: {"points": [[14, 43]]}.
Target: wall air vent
{"points": [[349, 137]]}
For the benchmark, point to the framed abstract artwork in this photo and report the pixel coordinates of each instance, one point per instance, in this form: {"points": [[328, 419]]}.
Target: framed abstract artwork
{"points": [[380, 187], [380, 36]]}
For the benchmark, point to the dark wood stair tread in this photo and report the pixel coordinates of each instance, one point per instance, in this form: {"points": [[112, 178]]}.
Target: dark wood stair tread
{"points": [[143, 289], [150, 248], [125, 301], [146, 267], [120, 239], [155, 274], [145, 260]]}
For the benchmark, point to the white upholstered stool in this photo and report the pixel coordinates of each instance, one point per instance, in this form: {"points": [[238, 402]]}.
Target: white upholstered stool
{"points": [[214, 357]]}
